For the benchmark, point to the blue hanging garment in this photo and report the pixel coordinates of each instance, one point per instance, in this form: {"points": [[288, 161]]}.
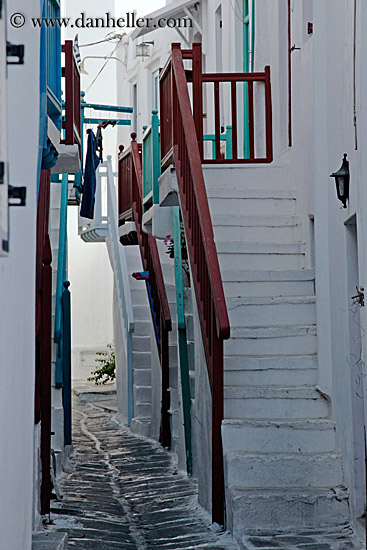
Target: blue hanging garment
{"points": [[90, 180]]}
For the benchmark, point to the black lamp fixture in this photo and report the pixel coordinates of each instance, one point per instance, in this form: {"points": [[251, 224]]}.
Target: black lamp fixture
{"points": [[342, 181]]}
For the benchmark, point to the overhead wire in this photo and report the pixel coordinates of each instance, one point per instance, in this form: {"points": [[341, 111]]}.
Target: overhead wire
{"points": [[108, 57]]}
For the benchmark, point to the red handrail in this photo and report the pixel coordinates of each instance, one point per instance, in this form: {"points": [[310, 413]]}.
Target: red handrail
{"points": [[71, 74], [131, 188], [198, 80], [178, 127]]}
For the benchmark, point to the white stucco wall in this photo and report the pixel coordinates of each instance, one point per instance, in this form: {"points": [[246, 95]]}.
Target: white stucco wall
{"points": [[17, 300]]}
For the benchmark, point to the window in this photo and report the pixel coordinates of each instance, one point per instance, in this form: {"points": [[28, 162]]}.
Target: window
{"points": [[155, 90], [135, 107]]}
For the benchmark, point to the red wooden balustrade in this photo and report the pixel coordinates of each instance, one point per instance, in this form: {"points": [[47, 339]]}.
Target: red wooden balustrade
{"points": [[180, 144], [131, 189], [43, 335], [71, 74], [199, 81]]}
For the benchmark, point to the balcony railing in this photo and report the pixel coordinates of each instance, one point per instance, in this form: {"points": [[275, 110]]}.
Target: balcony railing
{"points": [[71, 74], [234, 90]]}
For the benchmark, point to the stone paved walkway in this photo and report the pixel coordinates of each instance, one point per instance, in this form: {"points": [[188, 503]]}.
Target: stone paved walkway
{"points": [[123, 493]]}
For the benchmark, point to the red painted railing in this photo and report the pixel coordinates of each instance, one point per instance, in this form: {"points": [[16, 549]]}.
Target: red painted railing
{"points": [[131, 200], [71, 74], [242, 89], [43, 335], [180, 143]]}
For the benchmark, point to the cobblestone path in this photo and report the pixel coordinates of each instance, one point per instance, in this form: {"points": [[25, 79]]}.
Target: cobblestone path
{"points": [[124, 493]]}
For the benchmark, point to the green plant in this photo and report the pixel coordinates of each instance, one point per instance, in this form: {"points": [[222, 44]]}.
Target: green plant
{"points": [[107, 371]]}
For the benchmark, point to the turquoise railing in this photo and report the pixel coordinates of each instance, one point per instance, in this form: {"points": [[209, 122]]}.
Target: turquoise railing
{"points": [[151, 173], [61, 276], [227, 138], [182, 336], [51, 9], [151, 162]]}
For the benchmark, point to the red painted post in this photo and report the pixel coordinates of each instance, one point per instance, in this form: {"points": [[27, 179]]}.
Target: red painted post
{"points": [[217, 449], [217, 121], [45, 357], [251, 119], [197, 70], [234, 120], [269, 118]]}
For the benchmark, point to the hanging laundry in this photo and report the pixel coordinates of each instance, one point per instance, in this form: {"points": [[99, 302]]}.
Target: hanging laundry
{"points": [[99, 139], [90, 181]]}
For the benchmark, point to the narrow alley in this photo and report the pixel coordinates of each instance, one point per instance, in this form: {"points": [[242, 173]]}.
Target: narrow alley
{"points": [[123, 492]]}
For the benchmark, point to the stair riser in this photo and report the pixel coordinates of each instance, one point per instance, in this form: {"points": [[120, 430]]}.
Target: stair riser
{"points": [[263, 471], [271, 377], [284, 511], [142, 395], [248, 206], [271, 346], [143, 328], [142, 377], [277, 439], [142, 410], [282, 288], [253, 177], [141, 343], [275, 408], [244, 363], [276, 314], [261, 234], [142, 360], [261, 261]]}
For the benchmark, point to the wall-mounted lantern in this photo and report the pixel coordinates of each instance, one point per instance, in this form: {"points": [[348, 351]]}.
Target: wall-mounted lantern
{"points": [[342, 181], [142, 49]]}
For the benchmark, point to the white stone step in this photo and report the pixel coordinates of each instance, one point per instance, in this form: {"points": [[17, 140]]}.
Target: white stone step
{"points": [[142, 394], [272, 340], [272, 377], [282, 470], [142, 410], [141, 312], [263, 402], [143, 327], [142, 360], [260, 256], [287, 436], [286, 509], [246, 202], [248, 177], [142, 377], [258, 311], [254, 228], [141, 343], [268, 283]]}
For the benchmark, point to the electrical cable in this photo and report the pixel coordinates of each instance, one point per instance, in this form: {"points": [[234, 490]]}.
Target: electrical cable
{"points": [[115, 36], [108, 57]]}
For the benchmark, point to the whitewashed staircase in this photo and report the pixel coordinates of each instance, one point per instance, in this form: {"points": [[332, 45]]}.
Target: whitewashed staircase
{"points": [[282, 469], [141, 346]]}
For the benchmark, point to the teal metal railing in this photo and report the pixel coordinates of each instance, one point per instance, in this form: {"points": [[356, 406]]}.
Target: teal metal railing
{"points": [[151, 173], [226, 137], [182, 336], [51, 9], [151, 162], [62, 330]]}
